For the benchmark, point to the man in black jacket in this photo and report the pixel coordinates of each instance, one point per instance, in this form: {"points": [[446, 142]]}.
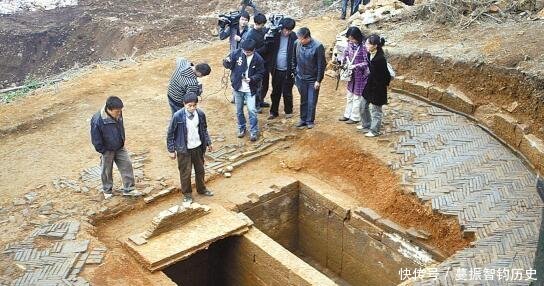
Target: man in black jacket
{"points": [[257, 34], [283, 71], [108, 138], [247, 68], [310, 65]]}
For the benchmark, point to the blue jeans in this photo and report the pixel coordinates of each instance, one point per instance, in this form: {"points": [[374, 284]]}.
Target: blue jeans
{"points": [[308, 100], [174, 106], [371, 116], [239, 98]]}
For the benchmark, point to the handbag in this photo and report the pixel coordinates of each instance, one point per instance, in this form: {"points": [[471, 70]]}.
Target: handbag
{"points": [[391, 71], [346, 72]]}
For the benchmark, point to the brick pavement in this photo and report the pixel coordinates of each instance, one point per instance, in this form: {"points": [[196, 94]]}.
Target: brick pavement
{"points": [[464, 171]]}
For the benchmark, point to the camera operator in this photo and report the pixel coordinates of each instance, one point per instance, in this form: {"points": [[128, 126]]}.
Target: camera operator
{"points": [[257, 34], [281, 48], [250, 3], [234, 30]]}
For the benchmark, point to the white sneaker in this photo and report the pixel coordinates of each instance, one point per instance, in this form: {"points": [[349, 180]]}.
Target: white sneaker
{"points": [[360, 127], [107, 195], [370, 134]]}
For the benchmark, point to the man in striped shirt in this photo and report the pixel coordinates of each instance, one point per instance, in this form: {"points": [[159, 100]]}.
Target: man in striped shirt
{"points": [[184, 80]]}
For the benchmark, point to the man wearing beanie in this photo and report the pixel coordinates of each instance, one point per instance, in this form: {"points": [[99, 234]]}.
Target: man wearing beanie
{"points": [[247, 73], [108, 138], [187, 140]]}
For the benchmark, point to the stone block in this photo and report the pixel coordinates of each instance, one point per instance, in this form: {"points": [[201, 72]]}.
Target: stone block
{"points": [[355, 242], [357, 272], [356, 221], [173, 218], [420, 88], [533, 148], [391, 226], [435, 93], [368, 214], [418, 234], [504, 126], [458, 100], [138, 239], [398, 82], [323, 199]]}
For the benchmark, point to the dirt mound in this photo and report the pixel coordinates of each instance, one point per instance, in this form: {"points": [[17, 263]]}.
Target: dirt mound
{"points": [[45, 43], [364, 177]]}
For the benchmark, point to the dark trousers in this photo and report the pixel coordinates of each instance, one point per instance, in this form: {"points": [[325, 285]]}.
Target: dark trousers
{"points": [[282, 84], [263, 90], [308, 100], [186, 161]]}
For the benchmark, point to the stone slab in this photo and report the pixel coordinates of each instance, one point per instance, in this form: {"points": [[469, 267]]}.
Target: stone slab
{"points": [[178, 244], [504, 126], [458, 100]]}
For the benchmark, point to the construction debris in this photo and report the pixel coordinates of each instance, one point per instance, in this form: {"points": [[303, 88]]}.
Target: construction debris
{"points": [[377, 10], [59, 264], [231, 156]]}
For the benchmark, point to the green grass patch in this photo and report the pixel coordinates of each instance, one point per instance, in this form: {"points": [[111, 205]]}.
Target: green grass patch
{"points": [[28, 86]]}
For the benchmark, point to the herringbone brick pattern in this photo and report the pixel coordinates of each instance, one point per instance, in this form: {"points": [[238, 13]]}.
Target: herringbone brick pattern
{"points": [[464, 171]]}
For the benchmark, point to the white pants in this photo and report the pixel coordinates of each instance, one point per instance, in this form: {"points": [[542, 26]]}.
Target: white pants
{"points": [[353, 107]]}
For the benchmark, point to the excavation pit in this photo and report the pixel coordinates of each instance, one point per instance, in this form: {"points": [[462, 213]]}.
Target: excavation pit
{"points": [[299, 236]]}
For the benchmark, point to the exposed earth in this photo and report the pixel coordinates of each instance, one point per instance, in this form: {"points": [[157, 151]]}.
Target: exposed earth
{"points": [[45, 135]]}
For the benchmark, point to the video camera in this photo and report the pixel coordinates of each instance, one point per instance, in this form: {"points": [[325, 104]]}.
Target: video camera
{"points": [[229, 19], [274, 25]]}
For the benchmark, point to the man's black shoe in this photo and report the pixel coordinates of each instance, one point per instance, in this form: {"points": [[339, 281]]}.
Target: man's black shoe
{"points": [[265, 104]]}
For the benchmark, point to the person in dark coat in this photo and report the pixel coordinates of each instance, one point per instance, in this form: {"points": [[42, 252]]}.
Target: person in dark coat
{"points": [[108, 138], [257, 34], [247, 72], [281, 66], [235, 31], [375, 92], [187, 140], [310, 63]]}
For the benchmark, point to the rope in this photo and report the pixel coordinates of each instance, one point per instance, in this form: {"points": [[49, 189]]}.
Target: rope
{"points": [[223, 87]]}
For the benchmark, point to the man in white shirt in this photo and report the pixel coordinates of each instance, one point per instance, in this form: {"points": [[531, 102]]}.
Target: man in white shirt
{"points": [[248, 71], [187, 140]]}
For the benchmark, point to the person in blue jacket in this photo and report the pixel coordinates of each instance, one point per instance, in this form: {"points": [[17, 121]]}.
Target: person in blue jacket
{"points": [[247, 72], [108, 138], [187, 140]]}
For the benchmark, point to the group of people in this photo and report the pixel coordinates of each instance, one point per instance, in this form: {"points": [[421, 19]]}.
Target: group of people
{"points": [[289, 58], [367, 81]]}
